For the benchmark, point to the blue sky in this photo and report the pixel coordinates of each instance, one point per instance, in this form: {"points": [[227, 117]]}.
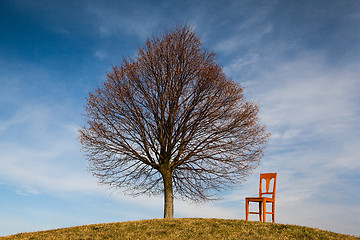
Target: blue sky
{"points": [[299, 60]]}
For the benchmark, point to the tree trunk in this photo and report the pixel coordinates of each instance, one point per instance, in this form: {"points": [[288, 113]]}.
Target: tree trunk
{"points": [[168, 194]]}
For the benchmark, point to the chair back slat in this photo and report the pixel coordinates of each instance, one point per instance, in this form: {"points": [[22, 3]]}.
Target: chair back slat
{"points": [[268, 177]]}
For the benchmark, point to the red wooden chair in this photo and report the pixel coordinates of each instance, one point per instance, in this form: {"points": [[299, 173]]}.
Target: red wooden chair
{"points": [[263, 200]]}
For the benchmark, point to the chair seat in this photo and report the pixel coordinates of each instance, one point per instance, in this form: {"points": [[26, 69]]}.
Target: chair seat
{"points": [[260, 199]]}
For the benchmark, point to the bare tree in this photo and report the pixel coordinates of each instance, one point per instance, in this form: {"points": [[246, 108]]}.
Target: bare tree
{"points": [[170, 121]]}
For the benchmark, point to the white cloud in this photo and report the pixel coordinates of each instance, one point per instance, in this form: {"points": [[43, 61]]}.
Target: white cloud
{"points": [[101, 54], [41, 152], [325, 215], [349, 156], [27, 191], [241, 40], [241, 64], [50, 169], [307, 96], [117, 20]]}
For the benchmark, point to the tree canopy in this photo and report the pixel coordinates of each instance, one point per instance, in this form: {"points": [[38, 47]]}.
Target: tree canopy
{"points": [[170, 122]]}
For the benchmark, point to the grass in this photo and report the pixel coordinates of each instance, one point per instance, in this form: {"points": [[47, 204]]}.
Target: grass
{"points": [[185, 228]]}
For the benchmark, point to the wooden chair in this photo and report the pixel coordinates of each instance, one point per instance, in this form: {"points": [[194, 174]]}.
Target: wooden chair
{"points": [[263, 200]]}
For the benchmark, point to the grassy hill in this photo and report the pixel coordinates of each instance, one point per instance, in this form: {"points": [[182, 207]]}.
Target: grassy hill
{"points": [[186, 228]]}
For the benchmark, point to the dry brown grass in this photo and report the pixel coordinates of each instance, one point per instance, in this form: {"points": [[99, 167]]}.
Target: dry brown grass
{"points": [[186, 228]]}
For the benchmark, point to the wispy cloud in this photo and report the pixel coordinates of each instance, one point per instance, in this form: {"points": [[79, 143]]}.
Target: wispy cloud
{"points": [[43, 153], [240, 41], [309, 99], [38, 145], [117, 19]]}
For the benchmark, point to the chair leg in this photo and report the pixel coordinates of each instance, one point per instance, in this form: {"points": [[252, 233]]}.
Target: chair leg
{"points": [[247, 209], [260, 211], [273, 212], [264, 210]]}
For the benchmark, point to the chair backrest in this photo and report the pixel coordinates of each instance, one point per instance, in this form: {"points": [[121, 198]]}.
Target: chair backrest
{"points": [[267, 177]]}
